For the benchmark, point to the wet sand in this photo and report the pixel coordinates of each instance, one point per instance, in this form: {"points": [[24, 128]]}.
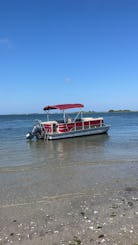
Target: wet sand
{"points": [[74, 204]]}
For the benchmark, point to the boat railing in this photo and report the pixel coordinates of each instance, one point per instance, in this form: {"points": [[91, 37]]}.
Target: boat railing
{"points": [[55, 127], [83, 126]]}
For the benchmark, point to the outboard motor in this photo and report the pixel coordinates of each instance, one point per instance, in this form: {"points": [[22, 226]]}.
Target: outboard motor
{"points": [[29, 136], [36, 131]]}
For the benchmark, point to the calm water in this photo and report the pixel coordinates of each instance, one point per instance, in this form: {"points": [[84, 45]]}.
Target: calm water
{"points": [[120, 145], [35, 170]]}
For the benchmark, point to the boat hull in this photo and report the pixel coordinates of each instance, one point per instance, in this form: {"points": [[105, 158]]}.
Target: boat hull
{"points": [[78, 133]]}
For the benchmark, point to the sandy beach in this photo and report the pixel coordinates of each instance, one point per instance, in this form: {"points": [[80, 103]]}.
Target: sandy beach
{"points": [[102, 211]]}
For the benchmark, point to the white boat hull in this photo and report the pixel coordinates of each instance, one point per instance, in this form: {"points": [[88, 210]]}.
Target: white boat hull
{"points": [[78, 133]]}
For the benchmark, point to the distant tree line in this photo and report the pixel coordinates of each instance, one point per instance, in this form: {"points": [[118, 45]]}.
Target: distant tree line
{"points": [[111, 110]]}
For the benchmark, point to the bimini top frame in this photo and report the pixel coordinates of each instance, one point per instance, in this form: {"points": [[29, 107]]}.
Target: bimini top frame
{"points": [[63, 107]]}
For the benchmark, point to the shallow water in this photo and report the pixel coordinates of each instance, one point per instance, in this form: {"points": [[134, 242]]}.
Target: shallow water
{"points": [[36, 170], [119, 145]]}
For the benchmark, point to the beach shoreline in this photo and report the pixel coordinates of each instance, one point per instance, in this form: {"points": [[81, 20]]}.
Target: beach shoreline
{"points": [[105, 213]]}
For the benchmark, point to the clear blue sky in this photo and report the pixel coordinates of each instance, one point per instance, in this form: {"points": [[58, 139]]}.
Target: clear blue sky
{"points": [[68, 51]]}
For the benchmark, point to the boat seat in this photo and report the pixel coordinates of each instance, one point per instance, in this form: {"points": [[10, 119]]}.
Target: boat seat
{"points": [[86, 119]]}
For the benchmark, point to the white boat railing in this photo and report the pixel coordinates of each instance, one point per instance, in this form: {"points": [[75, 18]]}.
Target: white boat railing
{"points": [[83, 127]]}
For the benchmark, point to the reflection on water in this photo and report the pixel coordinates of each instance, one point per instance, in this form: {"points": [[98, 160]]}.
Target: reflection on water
{"points": [[66, 151]]}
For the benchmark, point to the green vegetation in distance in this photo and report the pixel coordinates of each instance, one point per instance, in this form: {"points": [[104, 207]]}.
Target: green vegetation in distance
{"points": [[119, 110]]}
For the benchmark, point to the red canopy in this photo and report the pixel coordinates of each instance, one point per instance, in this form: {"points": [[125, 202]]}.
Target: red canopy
{"points": [[63, 106]]}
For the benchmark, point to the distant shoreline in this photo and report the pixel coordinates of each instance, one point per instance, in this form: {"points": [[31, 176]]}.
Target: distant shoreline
{"points": [[121, 111], [84, 112]]}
